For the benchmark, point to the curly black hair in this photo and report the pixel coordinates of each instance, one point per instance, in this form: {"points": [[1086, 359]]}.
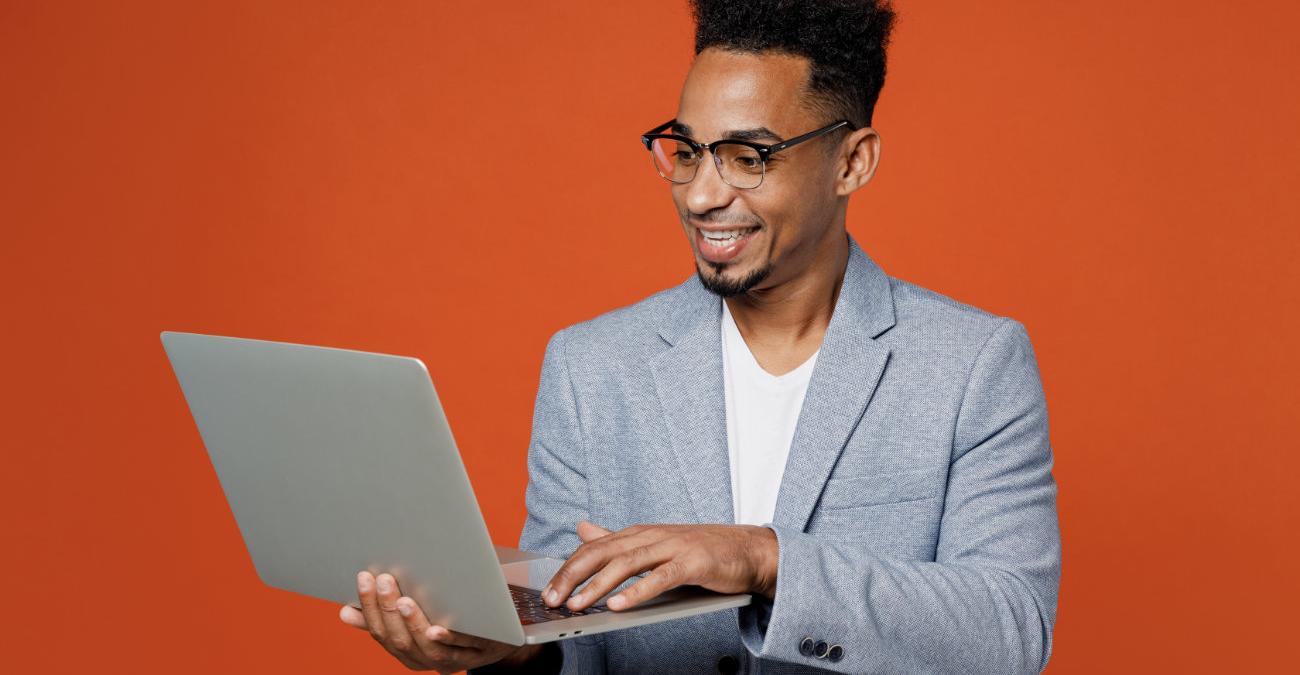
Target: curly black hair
{"points": [[844, 40]]}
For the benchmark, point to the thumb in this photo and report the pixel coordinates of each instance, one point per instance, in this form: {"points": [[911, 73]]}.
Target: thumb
{"points": [[588, 531]]}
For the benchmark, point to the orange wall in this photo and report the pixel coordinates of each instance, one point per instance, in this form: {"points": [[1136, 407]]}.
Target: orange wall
{"points": [[457, 181]]}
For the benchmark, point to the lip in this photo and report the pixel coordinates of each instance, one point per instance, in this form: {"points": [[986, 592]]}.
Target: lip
{"points": [[726, 253]]}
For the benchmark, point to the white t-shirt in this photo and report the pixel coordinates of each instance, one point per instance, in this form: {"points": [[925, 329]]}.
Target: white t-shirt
{"points": [[762, 410]]}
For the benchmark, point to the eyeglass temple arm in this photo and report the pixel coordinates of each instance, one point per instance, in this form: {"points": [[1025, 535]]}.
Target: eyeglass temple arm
{"points": [[808, 136], [656, 130]]}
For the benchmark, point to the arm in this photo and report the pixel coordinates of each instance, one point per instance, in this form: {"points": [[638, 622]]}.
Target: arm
{"points": [[988, 601]]}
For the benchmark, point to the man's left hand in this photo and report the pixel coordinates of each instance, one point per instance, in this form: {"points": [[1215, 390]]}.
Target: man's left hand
{"points": [[722, 558]]}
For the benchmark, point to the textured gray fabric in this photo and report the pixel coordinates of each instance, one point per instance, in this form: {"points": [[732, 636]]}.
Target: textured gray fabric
{"points": [[917, 515]]}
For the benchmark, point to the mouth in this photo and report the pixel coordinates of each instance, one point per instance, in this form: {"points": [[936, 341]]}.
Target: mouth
{"points": [[720, 246]]}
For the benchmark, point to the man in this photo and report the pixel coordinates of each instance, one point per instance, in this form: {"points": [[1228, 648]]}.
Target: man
{"points": [[869, 458]]}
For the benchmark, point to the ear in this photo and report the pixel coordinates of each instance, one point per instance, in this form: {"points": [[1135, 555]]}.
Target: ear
{"points": [[859, 161]]}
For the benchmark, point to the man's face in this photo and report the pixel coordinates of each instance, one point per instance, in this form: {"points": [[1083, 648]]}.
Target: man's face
{"points": [[784, 221]]}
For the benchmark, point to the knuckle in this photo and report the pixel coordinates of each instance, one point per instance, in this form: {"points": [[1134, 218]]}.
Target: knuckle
{"points": [[669, 571], [585, 551], [572, 571], [620, 562], [634, 557], [640, 560]]}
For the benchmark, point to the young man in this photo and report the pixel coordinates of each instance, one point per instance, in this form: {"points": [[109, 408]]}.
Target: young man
{"points": [[869, 458]]}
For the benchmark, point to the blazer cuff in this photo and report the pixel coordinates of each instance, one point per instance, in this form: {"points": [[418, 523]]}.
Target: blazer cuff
{"points": [[799, 626]]}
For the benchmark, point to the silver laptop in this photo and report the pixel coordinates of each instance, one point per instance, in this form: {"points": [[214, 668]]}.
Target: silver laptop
{"points": [[334, 461]]}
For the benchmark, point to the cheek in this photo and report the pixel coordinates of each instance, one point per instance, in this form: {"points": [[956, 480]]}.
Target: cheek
{"points": [[792, 224], [801, 208], [781, 213]]}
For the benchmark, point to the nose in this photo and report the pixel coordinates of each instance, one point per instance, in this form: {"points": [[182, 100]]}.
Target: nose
{"points": [[707, 191]]}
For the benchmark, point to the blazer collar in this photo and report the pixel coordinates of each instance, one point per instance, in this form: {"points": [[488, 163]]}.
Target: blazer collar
{"points": [[690, 388], [865, 301]]}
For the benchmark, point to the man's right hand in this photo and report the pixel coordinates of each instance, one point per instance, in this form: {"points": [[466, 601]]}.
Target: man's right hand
{"points": [[398, 624]]}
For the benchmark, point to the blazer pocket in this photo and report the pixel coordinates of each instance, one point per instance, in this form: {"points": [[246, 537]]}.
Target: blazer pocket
{"points": [[882, 488]]}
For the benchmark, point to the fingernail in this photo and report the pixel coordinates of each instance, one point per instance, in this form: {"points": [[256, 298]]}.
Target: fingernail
{"points": [[363, 581], [385, 583], [404, 607], [552, 596]]}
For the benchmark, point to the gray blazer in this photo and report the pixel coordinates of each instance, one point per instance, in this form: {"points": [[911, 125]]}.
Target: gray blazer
{"points": [[917, 515]]}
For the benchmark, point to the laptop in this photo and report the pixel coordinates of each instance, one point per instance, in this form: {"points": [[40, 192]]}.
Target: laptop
{"points": [[336, 461]]}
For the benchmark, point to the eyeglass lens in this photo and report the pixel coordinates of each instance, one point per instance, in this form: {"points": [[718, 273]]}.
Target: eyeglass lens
{"points": [[739, 165]]}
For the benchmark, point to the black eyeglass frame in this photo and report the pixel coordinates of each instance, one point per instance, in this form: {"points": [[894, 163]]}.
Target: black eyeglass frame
{"points": [[764, 150]]}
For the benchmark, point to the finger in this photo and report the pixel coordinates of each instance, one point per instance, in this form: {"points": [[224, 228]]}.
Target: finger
{"points": [[396, 636], [352, 617], [370, 605], [589, 558], [578, 568], [661, 579], [619, 569], [589, 531], [417, 624], [447, 648], [450, 638]]}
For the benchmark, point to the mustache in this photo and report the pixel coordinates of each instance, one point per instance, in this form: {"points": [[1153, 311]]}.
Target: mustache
{"points": [[711, 218]]}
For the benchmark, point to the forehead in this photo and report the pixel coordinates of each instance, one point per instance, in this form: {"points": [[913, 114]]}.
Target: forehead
{"points": [[734, 90]]}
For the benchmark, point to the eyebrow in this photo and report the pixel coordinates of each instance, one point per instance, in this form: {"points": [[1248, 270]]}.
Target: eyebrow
{"points": [[755, 134]]}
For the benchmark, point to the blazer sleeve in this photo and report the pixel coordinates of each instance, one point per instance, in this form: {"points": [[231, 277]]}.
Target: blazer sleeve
{"points": [[557, 496], [987, 603]]}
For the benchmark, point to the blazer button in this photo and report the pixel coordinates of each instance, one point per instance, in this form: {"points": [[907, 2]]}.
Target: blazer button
{"points": [[806, 647], [728, 665], [835, 654], [820, 649]]}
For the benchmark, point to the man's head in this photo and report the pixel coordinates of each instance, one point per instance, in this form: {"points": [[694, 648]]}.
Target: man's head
{"points": [[767, 71]]}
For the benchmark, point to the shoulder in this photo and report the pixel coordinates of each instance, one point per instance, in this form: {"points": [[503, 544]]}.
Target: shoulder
{"points": [[626, 334], [934, 322]]}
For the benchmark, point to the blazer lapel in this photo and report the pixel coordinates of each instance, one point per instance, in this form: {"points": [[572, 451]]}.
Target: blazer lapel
{"points": [[848, 369], [689, 384]]}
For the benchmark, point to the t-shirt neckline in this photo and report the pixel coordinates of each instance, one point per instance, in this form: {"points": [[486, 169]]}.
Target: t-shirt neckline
{"points": [[731, 335]]}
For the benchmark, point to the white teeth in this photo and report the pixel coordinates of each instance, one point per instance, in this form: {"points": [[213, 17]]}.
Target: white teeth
{"points": [[723, 238]]}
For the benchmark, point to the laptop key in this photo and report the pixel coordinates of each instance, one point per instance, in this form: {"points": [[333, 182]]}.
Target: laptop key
{"points": [[528, 604]]}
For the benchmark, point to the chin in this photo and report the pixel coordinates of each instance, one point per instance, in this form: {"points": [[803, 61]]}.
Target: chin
{"points": [[726, 280]]}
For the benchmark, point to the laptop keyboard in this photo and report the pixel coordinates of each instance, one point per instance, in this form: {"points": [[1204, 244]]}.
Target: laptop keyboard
{"points": [[531, 609]]}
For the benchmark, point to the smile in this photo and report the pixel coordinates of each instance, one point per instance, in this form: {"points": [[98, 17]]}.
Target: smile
{"points": [[720, 246], [725, 237]]}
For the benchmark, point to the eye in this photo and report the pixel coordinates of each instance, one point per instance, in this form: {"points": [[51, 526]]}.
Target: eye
{"points": [[747, 163], [685, 157]]}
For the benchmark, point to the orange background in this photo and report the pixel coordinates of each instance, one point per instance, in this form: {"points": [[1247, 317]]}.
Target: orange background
{"points": [[458, 183]]}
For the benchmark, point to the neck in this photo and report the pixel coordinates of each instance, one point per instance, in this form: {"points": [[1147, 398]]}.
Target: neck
{"points": [[795, 312]]}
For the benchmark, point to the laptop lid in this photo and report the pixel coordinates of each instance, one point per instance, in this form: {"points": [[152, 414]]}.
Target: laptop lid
{"points": [[334, 461]]}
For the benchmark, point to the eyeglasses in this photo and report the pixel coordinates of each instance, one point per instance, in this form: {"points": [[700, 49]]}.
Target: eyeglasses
{"points": [[741, 164]]}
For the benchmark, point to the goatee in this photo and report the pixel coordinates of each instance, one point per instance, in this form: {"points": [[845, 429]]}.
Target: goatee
{"points": [[727, 288]]}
